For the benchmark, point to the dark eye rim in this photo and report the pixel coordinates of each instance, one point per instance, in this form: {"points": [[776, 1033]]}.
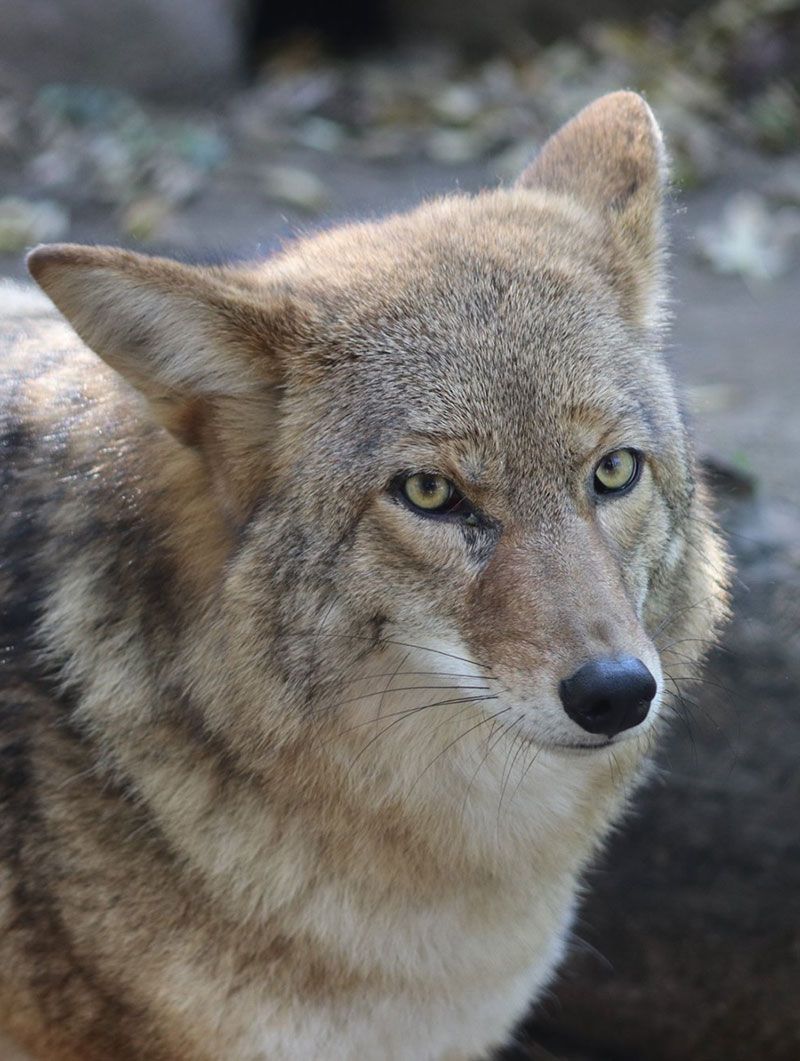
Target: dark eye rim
{"points": [[457, 507], [602, 491]]}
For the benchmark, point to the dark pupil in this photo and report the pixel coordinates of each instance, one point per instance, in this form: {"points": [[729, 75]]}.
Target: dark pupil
{"points": [[611, 464], [429, 485]]}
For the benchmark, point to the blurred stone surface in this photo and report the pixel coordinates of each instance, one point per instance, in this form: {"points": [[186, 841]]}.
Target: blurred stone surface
{"points": [[187, 49], [690, 937]]}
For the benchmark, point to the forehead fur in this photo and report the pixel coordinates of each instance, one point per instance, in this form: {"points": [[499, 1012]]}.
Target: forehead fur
{"points": [[484, 318], [453, 247]]}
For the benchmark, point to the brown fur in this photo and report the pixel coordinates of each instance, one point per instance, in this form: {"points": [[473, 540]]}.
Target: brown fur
{"points": [[282, 761]]}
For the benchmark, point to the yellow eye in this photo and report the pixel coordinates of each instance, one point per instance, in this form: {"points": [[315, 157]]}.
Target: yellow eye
{"points": [[429, 492], [616, 471]]}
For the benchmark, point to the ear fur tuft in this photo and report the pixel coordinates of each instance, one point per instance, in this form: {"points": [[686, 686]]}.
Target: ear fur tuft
{"points": [[610, 158]]}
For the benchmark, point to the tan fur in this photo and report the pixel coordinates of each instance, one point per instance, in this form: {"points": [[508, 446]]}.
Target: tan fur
{"points": [[285, 771]]}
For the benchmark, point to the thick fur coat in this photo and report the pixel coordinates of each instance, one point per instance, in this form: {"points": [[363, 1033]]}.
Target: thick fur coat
{"points": [[284, 771]]}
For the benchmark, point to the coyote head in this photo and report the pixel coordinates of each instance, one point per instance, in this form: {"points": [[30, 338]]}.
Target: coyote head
{"points": [[458, 499]]}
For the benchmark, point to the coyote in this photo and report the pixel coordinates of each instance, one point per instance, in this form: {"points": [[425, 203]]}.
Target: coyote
{"points": [[341, 594]]}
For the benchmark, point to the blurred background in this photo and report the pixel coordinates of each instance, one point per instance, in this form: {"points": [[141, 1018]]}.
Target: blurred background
{"points": [[212, 129]]}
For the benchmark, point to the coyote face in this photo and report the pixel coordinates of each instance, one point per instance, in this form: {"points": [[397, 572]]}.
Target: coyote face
{"points": [[404, 541]]}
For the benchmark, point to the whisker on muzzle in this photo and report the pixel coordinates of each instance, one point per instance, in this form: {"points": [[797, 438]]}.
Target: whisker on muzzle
{"points": [[414, 711]]}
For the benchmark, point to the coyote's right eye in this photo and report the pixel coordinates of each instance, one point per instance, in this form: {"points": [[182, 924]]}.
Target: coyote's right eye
{"points": [[431, 494]]}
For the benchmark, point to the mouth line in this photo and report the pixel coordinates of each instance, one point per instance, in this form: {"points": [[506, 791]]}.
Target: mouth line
{"points": [[584, 747]]}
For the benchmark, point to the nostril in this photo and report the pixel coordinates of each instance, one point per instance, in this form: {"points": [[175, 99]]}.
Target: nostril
{"points": [[600, 708], [608, 695]]}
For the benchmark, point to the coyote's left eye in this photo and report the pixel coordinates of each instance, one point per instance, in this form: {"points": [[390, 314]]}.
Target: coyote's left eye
{"points": [[617, 471]]}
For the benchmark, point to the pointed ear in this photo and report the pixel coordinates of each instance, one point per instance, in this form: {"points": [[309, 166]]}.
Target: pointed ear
{"points": [[611, 159], [177, 333]]}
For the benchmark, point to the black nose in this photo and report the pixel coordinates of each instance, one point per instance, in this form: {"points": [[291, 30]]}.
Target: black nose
{"points": [[608, 695]]}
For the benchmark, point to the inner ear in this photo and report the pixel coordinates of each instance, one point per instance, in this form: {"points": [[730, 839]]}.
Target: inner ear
{"points": [[184, 336], [208, 348]]}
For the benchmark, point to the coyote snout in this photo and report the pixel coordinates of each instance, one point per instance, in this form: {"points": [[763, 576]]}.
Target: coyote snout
{"points": [[607, 696]]}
